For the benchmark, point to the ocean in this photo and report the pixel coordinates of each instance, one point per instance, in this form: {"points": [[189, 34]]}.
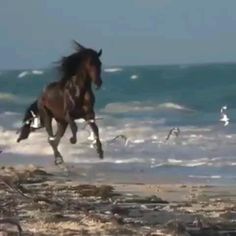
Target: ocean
{"points": [[142, 103]]}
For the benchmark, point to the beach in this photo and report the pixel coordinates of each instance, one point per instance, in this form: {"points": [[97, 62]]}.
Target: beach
{"points": [[59, 201]]}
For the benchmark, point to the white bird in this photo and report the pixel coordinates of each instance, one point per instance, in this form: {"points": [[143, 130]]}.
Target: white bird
{"points": [[224, 118]]}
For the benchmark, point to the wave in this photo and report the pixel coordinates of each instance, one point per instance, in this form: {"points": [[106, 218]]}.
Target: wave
{"points": [[112, 70], [134, 77], [11, 98], [23, 74], [136, 106], [174, 106], [37, 72], [8, 97], [205, 176]]}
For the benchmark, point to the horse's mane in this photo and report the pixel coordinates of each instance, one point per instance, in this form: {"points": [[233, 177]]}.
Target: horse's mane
{"points": [[68, 65]]}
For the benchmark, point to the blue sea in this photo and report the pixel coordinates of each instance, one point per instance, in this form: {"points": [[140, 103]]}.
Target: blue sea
{"points": [[142, 103]]}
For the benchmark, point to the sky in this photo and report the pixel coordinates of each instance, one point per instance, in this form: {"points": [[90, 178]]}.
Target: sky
{"points": [[34, 34]]}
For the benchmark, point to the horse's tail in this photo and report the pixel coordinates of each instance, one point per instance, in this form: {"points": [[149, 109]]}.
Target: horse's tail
{"points": [[30, 113]]}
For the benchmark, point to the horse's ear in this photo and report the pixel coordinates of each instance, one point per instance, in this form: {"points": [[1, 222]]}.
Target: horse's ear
{"points": [[100, 53], [78, 46]]}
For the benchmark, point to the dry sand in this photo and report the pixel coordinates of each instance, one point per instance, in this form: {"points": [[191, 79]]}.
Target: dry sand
{"points": [[36, 201]]}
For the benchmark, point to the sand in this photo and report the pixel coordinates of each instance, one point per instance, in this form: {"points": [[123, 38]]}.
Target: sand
{"points": [[51, 201]]}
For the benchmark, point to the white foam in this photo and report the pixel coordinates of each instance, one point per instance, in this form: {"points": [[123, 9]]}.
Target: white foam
{"points": [[112, 70], [134, 77], [23, 74], [174, 161], [138, 141], [130, 160], [175, 106], [136, 106], [37, 72], [205, 176]]}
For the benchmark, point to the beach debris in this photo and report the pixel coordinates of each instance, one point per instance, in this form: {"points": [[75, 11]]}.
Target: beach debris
{"points": [[224, 118], [176, 228], [87, 190], [145, 200], [120, 210], [198, 223], [173, 131], [12, 222]]}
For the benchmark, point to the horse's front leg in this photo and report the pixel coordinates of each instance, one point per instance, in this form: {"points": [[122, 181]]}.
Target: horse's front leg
{"points": [[68, 106], [73, 128], [93, 126], [61, 128]]}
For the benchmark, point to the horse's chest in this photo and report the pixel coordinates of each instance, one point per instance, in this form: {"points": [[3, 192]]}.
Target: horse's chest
{"points": [[87, 106]]}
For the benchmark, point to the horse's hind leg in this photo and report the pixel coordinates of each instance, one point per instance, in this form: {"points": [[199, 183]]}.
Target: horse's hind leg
{"points": [[53, 140], [47, 120], [98, 143]]}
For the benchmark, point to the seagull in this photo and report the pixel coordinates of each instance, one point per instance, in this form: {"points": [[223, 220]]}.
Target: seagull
{"points": [[122, 137], [175, 131], [224, 117]]}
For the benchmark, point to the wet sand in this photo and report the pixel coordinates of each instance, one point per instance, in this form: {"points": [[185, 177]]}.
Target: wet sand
{"points": [[89, 201]]}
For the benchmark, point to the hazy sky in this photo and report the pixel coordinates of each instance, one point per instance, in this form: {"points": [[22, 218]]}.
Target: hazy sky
{"points": [[34, 33]]}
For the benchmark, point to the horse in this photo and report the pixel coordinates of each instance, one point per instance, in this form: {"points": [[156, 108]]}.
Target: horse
{"points": [[68, 99]]}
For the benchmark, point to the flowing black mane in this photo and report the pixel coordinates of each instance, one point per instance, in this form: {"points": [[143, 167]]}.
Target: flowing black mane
{"points": [[69, 64]]}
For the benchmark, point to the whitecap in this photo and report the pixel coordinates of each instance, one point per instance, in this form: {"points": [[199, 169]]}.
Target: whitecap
{"points": [[7, 97], [171, 105], [136, 106], [205, 176], [174, 161], [195, 164], [112, 70], [130, 160], [37, 72], [133, 77], [138, 141], [23, 74]]}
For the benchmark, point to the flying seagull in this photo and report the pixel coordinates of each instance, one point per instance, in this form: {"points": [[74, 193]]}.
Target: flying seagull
{"points": [[224, 118], [175, 131]]}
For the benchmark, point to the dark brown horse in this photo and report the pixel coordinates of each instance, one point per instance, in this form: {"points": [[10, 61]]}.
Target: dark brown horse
{"points": [[68, 99]]}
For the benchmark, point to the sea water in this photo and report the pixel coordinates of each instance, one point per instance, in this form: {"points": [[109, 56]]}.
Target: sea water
{"points": [[138, 105]]}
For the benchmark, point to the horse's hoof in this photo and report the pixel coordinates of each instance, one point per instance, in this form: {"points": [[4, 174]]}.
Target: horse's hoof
{"points": [[100, 154], [59, 161], [73, 140]]}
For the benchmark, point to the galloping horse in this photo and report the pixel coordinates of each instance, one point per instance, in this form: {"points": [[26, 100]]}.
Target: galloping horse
{"points": [[68, 99]]}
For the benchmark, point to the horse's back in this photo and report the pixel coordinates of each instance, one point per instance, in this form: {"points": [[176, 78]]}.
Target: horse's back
{"points": [[52, 98]]}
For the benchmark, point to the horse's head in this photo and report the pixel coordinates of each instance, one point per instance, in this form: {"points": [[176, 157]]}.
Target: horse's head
{"points": [[84, 62], [92, 65]]}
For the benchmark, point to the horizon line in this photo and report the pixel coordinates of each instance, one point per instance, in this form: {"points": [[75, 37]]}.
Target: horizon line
{"points": [[135, 65]]}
